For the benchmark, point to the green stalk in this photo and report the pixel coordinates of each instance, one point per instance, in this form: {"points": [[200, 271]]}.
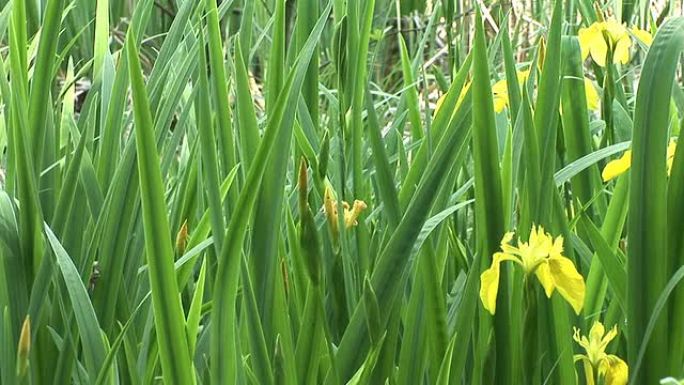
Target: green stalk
{"points": [[168, 314], [489, 210], [648, 260]]}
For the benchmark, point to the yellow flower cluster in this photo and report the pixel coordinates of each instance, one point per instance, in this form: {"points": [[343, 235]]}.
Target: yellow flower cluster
{"points": [[596, 39], [542, 256], [350, 213], [611, 367], [617, 167]]}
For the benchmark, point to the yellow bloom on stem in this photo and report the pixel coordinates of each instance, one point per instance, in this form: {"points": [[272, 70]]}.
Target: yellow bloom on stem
{"points": [[612, 368], [598, 37], [542, 256], [351, 214], [617, 167]]}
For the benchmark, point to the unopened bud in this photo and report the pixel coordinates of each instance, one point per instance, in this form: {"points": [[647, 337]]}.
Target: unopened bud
{"points": [[24, 348], [182, 238]]}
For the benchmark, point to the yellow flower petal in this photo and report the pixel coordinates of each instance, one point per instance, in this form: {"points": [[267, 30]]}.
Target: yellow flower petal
{"points": [[588, 37], [614, 30], [621, 53], [617, 371], [599, 51], [644, 36], [597, 331], [543, 274], [500, 87], [594, 41], [616, 167], [500, 102], [593, 98], [350, 216], [489, 281], [568, 281]]}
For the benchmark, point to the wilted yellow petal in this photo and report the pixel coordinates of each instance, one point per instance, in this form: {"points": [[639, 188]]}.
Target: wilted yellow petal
{"points": [[489, 281], [330, 207], [617, 371], [350, 216], [568, 281], [644, 36], [617, 167], [593, 98]]}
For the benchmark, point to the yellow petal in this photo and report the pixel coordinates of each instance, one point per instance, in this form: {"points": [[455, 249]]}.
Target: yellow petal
{"points": [[597, 331], [599, 51], [621, 53], [644, 36], [330, 207], [543, 274], [500, 102], [350, 216], [617, 167], [489, 282], [568, 282], [617, 371], [615, 30], [587, 37], [593, 99], [500, 87]]}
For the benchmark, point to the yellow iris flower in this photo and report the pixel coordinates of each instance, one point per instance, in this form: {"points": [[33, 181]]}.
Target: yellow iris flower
{"points": [[612, 368], [501, 99], [500, 91], [542, 256], [617, 167], [351, 214], [598, 37]]}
